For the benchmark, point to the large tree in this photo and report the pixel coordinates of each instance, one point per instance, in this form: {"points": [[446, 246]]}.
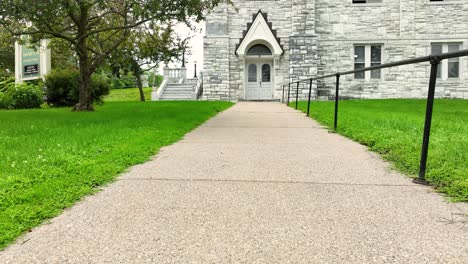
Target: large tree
{"points": [[146, 47], [94, 28]]}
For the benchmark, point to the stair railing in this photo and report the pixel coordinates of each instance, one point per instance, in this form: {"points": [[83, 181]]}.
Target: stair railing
{"points": [[158, 91], [198, 92]]}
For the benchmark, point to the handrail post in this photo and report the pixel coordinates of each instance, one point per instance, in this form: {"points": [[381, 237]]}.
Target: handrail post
{"points": [[289, 93], [308, 101], [427, 124], [337, 94], [297, 94], [282, 96]]}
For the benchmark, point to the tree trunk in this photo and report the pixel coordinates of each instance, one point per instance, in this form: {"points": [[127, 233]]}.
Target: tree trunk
{"points": [[140, 87], [85, 102], [137, 72]]}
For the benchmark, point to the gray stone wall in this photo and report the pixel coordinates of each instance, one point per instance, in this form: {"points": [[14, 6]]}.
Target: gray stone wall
{"points": [[216, 56], [319, 38], [303, 46], [405, 31], [279, 14], [221, 41]]}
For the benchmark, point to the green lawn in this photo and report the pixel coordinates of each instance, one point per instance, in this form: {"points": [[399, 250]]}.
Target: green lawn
{"points": [[394, 128], [50, 158], [128, 94]]}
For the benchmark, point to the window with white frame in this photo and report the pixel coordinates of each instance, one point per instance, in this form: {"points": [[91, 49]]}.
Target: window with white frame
{"points": [[367, 56], [443, 1], [448, 69], [367, 1]]}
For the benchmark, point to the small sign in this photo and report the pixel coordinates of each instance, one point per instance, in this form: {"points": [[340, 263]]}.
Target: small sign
{"points": [[30, 59], [31, 63], [31, 69]]}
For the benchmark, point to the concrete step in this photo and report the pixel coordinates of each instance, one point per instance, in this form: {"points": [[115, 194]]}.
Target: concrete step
{"points": [[180, 85], [175, 99], [178, 91], [176, 96]]}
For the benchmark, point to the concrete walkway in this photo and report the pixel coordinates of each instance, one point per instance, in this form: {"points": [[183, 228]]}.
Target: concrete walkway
{"points": [[259, 183]]}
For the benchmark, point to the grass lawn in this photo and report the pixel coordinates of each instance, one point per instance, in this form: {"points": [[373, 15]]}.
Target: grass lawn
{"points": [[394, 128], [50, 158], [128, 94]]}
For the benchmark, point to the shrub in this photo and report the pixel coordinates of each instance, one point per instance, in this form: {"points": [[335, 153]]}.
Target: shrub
{"points": [[6, 102], [6, 83], [100, 86], [26, 96], [124, 81], [21, 96], [63, 87]]}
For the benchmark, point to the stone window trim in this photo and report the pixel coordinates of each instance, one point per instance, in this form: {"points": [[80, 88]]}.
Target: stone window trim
{"points": [[443, 75], [368, 4], [444, 2], [368, 75]]}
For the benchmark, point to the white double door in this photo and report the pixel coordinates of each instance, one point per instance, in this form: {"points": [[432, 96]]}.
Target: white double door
{"points": [[259, 81]]}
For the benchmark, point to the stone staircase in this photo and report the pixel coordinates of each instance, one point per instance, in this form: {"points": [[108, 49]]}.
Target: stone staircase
{"points": [[178, 92]]}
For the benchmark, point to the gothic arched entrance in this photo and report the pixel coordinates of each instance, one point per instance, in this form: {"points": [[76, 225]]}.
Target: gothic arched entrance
{"points": [[259, 52], [259, 73]]}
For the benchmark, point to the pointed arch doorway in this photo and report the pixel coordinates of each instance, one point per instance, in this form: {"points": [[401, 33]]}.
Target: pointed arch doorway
{"points": [[259, 73], [259, 53]]}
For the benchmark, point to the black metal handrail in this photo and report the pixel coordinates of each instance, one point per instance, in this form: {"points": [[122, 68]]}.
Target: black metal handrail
{"points": [[434, 59], [200, 88]]}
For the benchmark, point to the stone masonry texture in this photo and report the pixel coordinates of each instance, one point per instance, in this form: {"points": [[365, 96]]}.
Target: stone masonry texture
{"points": [[319, 36]]}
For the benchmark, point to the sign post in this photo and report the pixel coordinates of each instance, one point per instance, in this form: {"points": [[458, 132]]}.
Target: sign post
{"points": [[31, 63]]}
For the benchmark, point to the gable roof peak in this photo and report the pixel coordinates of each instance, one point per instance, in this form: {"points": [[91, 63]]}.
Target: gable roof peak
{"points": [[263, 31]]}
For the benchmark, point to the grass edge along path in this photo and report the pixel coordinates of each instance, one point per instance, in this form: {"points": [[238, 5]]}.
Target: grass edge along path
{"points": [[51, 158], [394, 129]]}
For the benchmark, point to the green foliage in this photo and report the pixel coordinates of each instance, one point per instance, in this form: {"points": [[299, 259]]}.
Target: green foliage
{"points": [[21, 96], [26, 96], [155, 80], [95, 29], [6, 83], [63, 55], [124, 81], [394, 128], [130, 94], [63, 87], [6, 102], [7, 53], [50, 158]]}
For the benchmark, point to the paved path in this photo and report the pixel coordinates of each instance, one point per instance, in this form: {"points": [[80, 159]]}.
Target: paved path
{"points": [[260, 183]]}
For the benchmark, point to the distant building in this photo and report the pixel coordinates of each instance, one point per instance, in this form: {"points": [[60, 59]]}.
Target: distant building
{"points": [[251, 52]]}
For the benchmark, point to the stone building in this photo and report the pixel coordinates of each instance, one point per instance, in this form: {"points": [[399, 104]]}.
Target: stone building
{"points": [[255, 47]]}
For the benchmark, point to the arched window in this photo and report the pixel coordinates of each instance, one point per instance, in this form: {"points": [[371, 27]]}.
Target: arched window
{"points": [[259, 49]]}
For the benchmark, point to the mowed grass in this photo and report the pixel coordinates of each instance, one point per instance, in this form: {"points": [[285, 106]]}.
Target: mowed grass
{"points": [[394, 128], [50, 158], [128, 94]]}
